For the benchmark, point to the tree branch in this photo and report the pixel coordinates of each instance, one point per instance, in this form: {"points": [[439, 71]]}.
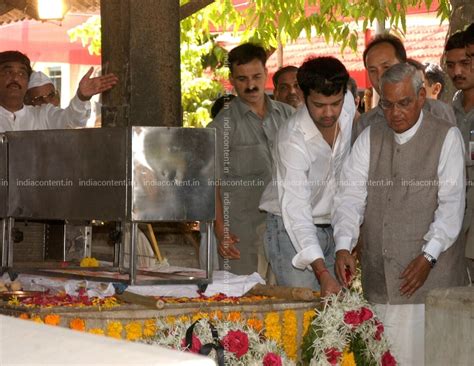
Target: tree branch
{"points": [[192, 7]]}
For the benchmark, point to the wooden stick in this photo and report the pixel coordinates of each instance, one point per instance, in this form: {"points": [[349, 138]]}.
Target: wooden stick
{"points": [[148, 301], [154, 243], [288, 293]]}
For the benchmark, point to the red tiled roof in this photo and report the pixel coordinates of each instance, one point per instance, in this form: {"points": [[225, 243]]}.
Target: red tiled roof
{"points": [[423, 43]]}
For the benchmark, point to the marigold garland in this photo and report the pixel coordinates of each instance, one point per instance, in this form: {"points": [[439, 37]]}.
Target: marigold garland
{"points": [[24, 316], [308, 317], [52, 319], [255, 324], [290, 334], [134, 331], [77, 324], [149, 327], [114, 329], [273, 327], [234, 316]]}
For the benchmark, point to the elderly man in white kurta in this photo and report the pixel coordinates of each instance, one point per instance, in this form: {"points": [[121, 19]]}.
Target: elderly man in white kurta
{"points": [[405, 182]]}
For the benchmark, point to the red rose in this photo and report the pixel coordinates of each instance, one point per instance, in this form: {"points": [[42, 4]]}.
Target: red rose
{"points": [[272, 359], [388, 359], [236, 342], [195, 344], [365, 314], [378, 331], [352, 318], [332, 355]]}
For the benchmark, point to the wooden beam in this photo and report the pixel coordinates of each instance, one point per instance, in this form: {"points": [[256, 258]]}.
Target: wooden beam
{"points": [[192, 7], [25, 6]]}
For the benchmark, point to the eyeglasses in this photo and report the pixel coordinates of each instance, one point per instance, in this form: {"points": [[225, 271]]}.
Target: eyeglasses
{"points": [[401, 104], [43, 99]]}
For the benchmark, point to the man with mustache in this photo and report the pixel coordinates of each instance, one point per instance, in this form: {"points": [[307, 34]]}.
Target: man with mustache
{"points": [[311, 147], [15, 71], [286, 89], [460, 70], [383, 51], [245, 129]]}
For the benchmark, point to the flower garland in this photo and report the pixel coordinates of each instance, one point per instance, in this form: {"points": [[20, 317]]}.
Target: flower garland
{"points": [[346, 332], [242, 345]]}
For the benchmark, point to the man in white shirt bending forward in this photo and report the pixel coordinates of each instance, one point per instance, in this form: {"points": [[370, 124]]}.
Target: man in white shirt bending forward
{"points": [[308, 155], [404, 180]]}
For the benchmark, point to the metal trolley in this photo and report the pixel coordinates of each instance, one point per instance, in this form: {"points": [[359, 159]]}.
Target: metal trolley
{"points": [[124, 175]]}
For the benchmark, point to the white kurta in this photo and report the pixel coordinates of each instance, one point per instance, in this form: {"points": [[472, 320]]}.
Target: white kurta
{"points": [[46, 117]]}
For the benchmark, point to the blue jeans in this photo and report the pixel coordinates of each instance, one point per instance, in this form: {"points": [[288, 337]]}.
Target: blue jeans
{"points": [[280, 252]]}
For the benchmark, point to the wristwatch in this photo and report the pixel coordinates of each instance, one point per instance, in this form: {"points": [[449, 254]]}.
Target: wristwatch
{"points": [[430, 259]]}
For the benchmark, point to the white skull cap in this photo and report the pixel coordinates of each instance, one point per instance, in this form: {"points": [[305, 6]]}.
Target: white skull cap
{"points": [[38, 78]]}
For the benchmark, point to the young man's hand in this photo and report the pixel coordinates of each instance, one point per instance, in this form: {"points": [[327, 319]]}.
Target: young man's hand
{"points": [[91, 86], [345, 266]]}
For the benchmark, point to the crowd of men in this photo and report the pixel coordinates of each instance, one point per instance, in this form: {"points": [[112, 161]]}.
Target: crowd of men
{"points": [[310, 187]]}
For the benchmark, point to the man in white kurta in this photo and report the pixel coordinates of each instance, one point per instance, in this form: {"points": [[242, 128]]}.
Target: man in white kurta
{"points": [[404, 180], [15, 71]]}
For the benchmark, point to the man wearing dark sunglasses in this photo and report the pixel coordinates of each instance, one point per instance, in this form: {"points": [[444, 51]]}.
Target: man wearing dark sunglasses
{"points": [[41, 90]]}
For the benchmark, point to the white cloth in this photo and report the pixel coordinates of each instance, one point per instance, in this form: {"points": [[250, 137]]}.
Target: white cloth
{"points": [[45, 117], [351, 199], [307, 170], [38, 78], [222, 282], [404, 326]]}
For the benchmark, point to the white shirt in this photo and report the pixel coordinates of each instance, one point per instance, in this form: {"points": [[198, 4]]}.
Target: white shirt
{"points": [[45, 117], [351, 199], [307, 170]]}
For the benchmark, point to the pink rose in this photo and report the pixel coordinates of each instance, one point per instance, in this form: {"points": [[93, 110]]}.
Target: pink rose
{"points": [[332, 355], [236, 342], [378, 331], [352, 318], [365, 314], [195, 344], [272, 359], [388, 359]]}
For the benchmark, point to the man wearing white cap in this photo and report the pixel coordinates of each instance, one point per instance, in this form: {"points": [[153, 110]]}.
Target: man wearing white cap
{"points": [[41, 90], [15, 71]]}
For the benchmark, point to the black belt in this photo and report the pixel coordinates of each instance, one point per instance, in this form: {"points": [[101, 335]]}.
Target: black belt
{"points": [[323, 226]]}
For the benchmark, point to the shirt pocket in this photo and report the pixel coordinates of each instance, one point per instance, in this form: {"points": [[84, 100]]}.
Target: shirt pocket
{"points": [[250, 161]]}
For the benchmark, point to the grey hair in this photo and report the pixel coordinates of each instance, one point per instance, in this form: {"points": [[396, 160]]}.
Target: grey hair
{"points": [[399, 72]]}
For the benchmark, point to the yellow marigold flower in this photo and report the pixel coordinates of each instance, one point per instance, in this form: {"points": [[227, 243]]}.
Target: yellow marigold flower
{"points": [[290, 334], [36, 319], [184, 319], [114, 329], [273, 327], [14, 301], [234, 316], [348, 359], [170, 320], [24, 316], [52, 319], [97, 331], [77, 324], [307, 319], [134, 331], [149, 328], [200, 315], [89, 262], [255, 324]]}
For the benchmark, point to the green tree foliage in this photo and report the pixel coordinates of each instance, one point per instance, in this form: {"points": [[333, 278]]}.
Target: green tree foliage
{"points": [[201, 66]]}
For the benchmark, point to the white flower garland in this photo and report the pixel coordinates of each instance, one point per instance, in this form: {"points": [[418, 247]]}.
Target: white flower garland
{"points": [[343, 318]]}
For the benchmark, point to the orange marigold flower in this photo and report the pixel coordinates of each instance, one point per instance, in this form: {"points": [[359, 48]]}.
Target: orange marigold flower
{"points": [[216, 315], [77, 324], [52, 319], [255, 324], [24, 316], [234, 316]]}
